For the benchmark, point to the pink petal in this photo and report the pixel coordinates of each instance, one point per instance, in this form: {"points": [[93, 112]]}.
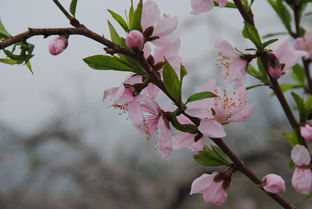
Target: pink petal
{"points": [[150, 14], [201, 183], [306, 132], [199, 112], [302, 180], [274, 183], [225, 49], [200, 6], [151, 90], [135, 113], [300, 155], [211, 128], [243, 114], [165, 141], [165, 26]]}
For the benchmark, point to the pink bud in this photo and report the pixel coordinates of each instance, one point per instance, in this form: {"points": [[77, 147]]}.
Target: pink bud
{"points": [[135, 39], [306, 132], [300, 155], [58, 45], [302, 180], [275, 73], [273, 183]]}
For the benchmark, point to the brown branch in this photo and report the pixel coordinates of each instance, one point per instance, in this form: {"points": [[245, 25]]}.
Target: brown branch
{"points": [[73, 21], [64, 31]]}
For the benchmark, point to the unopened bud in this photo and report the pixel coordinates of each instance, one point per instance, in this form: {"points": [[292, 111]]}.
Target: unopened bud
{"points": [[135, 39], [58, 45], [275, 68], [273, 183]]}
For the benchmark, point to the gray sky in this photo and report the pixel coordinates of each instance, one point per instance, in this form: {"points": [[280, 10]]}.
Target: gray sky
{"points": [[25, 98]]}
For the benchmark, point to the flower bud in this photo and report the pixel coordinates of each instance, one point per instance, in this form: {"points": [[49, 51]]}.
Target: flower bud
{"points": [[58, 45], [300, 155], [302, 180], [273, 183], [274, 66], [135, 39], [306, 132]]}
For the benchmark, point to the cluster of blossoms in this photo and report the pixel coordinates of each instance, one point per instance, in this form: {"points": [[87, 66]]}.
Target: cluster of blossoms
{"points": [[137, 96]]}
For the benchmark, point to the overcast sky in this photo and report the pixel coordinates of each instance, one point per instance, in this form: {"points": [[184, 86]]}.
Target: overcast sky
{"points": [[25, 100]]}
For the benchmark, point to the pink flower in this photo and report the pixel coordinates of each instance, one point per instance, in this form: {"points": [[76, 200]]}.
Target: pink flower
{"points": [[148, 117], [226, 107], [214, 187], [273, 183], [305, 43], [135, 39], [200, 6], [233, 65], [162, 26], [57, 45], [287, 56], [306, 132], [302, 176], [170, 53]]}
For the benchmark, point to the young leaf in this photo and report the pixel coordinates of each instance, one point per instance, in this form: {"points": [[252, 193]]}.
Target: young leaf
{"points": [[300, 105], [251, 70], [200, 96], [181, 127], [261, 68], [8, 61], [3, 32], [72, 7], [251, 33], [298, 74], [292, 138], [171, 82], [212, 157], [120, 20], [104, 62], [289, 86], [267, 43], [136, 24], [113, 34]]}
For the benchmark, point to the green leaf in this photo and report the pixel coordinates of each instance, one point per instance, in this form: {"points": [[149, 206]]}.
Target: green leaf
{"points": [[3, 32], [250, 32], [289, 86], [269, 35], [131, 14], [300, 106], [251, 70], [105, 62], [212, 157], [220, 153], [120, 20], [181, 127], [171, 82], [255, 86], [298, 74], [282, 13], [28, 65], [262, 70], [267, 43], [292, 138], [228, 5], [200, 96], [72, 7], [308, 105], [113, 34], [183, 73], [309, 195], [8, 61], [136, 23]]}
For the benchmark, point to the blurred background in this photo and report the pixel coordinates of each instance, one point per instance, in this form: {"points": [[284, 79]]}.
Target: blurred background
{"points": [[61, 147]]}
